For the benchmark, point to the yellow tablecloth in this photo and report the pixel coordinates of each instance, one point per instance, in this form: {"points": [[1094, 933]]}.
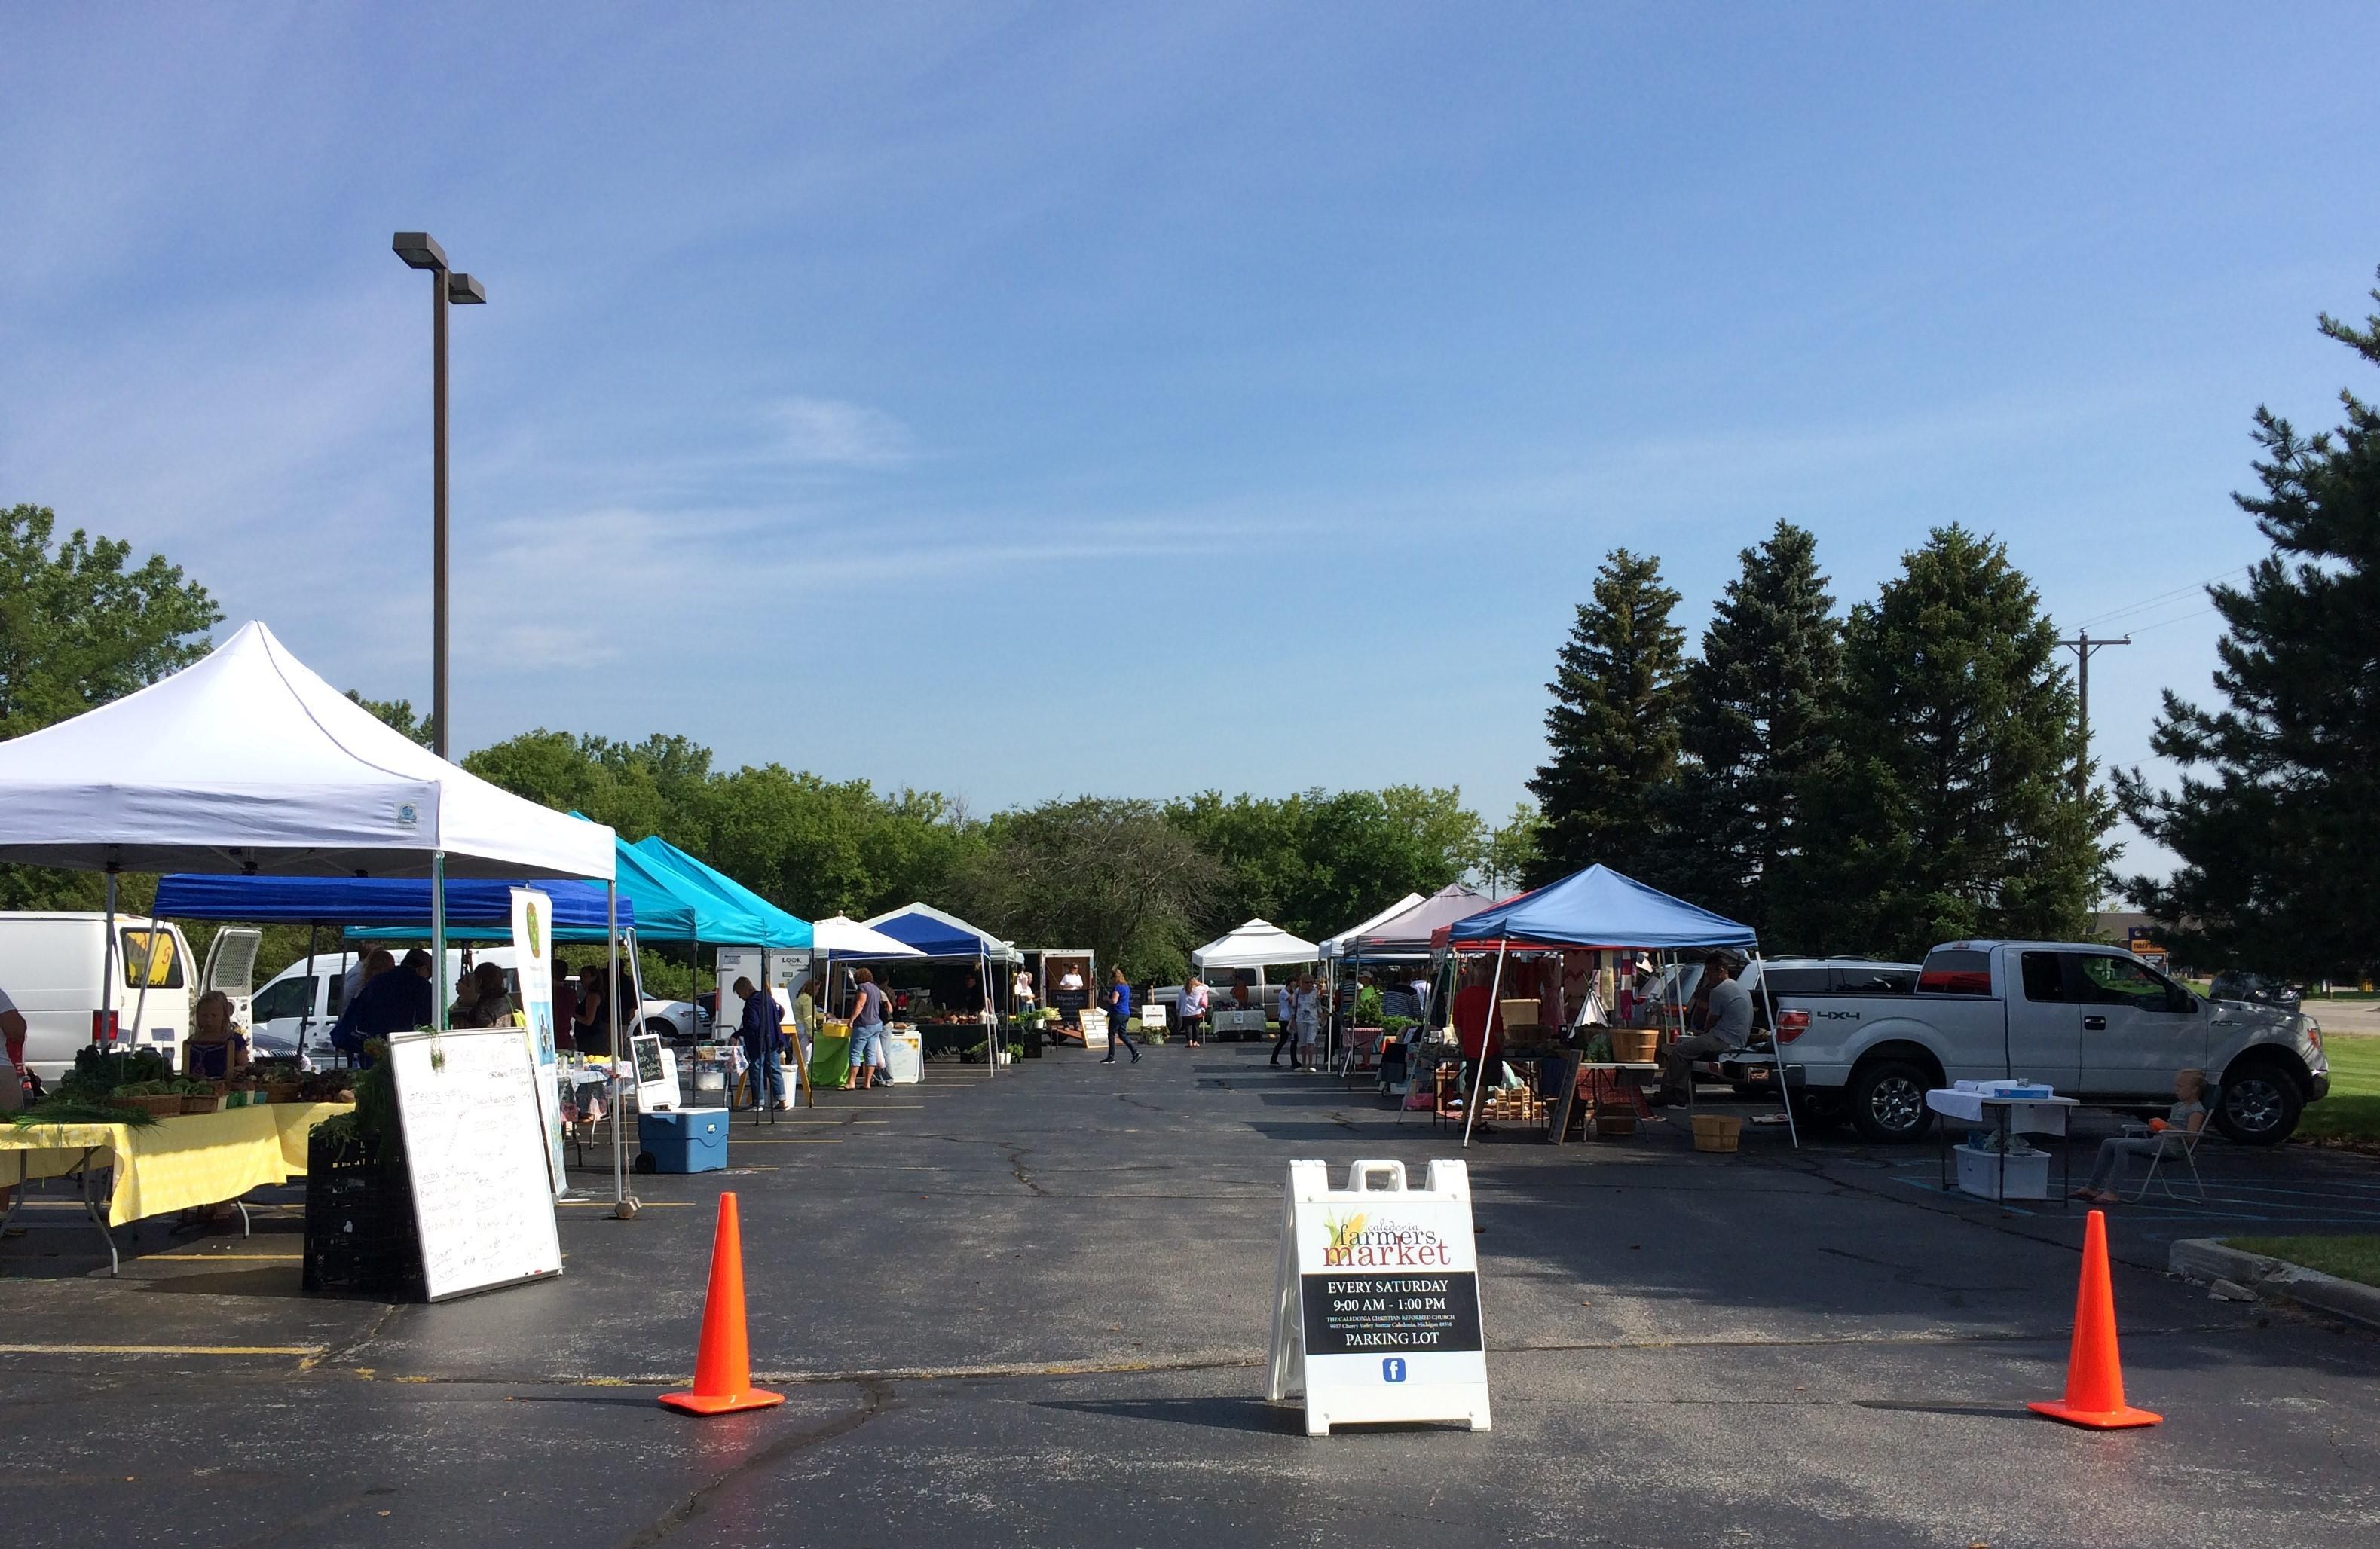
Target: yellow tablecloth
{"points": [[192, 1159]]}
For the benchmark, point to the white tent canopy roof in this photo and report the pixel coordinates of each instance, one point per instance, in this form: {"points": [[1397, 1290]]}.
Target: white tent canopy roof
{"points": [[842, 936], [1257, 944], [244, 761], [1336, 946]]}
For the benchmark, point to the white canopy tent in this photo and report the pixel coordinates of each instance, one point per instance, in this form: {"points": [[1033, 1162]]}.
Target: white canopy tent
{"points": [[246, 761], [1257, 944], [842, 937], [1335, 947]]}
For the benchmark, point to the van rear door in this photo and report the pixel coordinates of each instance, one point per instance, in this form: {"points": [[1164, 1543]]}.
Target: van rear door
{"points": [[231, 968]]}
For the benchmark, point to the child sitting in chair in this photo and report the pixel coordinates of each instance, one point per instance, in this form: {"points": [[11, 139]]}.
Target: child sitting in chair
{"points": [[2187, 1117]]}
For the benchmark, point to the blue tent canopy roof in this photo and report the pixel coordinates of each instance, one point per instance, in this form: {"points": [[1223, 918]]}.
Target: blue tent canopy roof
{"points": [[940, 935], [1598, 907], [667, 907], [475, 908], [777, 927]]}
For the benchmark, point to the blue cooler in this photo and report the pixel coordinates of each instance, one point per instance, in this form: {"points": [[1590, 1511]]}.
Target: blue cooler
{"points": [[689, 1139]]}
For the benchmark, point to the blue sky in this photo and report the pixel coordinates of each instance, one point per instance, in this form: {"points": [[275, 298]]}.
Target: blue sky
{"points": [[1021, 401]]}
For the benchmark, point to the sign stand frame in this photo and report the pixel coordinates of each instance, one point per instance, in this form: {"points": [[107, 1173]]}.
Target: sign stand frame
{"points": [[1388, 1280]]}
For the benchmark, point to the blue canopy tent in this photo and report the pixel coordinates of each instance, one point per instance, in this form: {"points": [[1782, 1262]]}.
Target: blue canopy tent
{"points": [[410, 909], [1597, 909], [476, 910], [778, 929], [938, 935]]}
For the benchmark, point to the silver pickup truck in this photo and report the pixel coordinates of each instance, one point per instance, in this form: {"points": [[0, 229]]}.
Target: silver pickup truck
{"points": [[2091, 1021]]}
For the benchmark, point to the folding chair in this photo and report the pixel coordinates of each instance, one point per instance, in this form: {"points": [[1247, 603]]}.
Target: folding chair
{"points": [[2178, 1155]]}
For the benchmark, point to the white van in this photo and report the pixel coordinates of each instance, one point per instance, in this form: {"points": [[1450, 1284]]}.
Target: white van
{"points": [[51, 965]]}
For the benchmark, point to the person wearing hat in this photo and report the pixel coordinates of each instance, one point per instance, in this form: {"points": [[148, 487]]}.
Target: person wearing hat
{"points": [[1728, 1025]]}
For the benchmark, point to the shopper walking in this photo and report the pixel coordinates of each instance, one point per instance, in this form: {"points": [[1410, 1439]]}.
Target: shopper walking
{"points": [[1286, 1010], [1020, 992], [761, 1035], [867, 1016], [1118, 1001]]}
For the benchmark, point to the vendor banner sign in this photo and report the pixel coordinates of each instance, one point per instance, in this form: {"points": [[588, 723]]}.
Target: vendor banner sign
{"points": [[533, 967], [1375, 1307]]}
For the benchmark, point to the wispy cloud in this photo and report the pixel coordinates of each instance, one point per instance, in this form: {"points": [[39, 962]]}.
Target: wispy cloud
{"points": [[835, 434]]}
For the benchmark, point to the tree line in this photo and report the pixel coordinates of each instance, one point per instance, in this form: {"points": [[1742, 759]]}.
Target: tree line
{"points": [[1878, 780]]}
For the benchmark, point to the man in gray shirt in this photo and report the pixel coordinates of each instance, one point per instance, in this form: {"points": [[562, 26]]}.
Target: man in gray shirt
{"points": [[1728, 1027]]}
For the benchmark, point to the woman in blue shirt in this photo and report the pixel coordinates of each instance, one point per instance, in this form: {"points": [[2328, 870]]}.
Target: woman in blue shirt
{"points": [[1118, 1003]]}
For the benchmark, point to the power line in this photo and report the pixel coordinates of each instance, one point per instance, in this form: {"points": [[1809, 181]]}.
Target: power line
{"points": [[2166, 596], [2177, 618]]}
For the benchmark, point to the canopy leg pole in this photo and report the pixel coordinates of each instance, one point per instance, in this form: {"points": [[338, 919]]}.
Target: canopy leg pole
{"points": [[621, 1206], [147, 970], [1777, 1051], [440, 990], [107, 967], [1487, 1039], [306, 1018]]}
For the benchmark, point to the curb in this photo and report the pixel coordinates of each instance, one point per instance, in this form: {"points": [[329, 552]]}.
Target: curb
{"points": [[2206, 1259]]}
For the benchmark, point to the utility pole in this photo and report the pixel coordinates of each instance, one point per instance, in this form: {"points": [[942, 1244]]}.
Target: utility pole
{"points": [[2083, 645]]}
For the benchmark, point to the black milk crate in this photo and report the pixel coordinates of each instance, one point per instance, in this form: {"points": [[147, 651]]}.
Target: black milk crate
{"points": [[360, 1235]]}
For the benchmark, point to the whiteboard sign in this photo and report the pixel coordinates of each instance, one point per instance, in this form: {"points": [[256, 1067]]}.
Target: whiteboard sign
{"points": [[475, 1144], [1376, 1305]]}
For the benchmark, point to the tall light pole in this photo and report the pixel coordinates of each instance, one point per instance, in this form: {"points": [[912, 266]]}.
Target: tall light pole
{"points": [[419, 250], [2083, 645]]}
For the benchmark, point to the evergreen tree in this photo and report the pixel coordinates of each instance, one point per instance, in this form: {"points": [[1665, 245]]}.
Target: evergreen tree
{"points": [[1612, 731], [1946, 806], [2276, 836], [1752, 730]]}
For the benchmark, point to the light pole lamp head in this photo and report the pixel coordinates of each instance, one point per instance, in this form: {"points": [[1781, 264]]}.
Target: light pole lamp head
{"points": [[463, 291], [419, 250]]}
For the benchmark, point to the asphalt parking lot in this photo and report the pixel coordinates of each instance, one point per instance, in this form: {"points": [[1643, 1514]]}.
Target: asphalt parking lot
{"points": [[1032, 1310]]}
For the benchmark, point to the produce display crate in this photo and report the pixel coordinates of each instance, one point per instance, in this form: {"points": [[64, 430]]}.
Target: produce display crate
{"points": [[1517, 1104], [165, 1107], [1716, 1132], [211, 1103], [359, 1233]]}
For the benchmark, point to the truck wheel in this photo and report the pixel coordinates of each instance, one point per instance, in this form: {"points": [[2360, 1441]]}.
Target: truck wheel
{"points": [[1887, 1102], [2260, 1104]]}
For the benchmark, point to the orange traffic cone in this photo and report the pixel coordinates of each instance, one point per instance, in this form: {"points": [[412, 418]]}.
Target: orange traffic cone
{"points": [[2095, 1376], [722, 1368]]}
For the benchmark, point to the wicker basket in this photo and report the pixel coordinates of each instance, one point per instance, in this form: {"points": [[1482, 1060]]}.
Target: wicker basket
{"points": [[283, 1091], [211, 1103], [1634, 1045], [1716, 1132], [164, 1107]]}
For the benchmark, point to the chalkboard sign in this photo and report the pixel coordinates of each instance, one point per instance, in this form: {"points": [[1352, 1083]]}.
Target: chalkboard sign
{"points": [[475, 1144], [656, 1081]]}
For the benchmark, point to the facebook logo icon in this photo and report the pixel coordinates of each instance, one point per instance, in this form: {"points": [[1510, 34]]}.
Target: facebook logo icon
{"points": [[1392, 1370]]}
